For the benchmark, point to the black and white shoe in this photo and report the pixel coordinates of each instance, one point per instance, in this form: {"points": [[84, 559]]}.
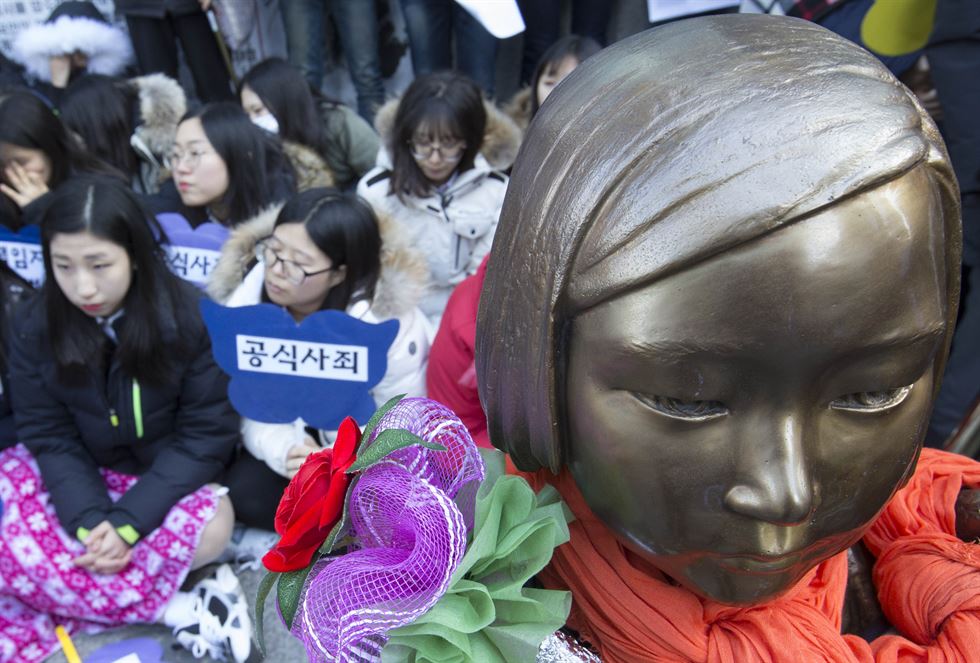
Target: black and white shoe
{"points": [[220, 625]]}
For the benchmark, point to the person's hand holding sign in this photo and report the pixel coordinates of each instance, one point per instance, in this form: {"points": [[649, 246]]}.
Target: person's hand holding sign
{"points": [[298, 453]]}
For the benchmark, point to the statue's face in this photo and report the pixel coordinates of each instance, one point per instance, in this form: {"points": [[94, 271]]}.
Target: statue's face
{"points": [[741, 421]]}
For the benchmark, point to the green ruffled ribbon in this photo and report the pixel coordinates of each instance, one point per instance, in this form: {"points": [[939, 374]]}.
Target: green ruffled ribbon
{"points": [[487, 615]]}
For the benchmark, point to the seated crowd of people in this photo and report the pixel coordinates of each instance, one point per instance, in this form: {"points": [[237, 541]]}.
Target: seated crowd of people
{"points": [[124, 465], [112, 399]]}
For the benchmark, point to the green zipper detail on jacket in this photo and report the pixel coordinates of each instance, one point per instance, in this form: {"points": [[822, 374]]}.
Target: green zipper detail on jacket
{"points": [[138, 408]]}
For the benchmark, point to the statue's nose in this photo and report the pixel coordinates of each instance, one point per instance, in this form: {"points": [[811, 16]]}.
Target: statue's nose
{"points": [[772, 481]]}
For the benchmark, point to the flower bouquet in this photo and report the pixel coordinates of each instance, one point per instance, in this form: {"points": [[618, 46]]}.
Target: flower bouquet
{"points": [[404, 543]]}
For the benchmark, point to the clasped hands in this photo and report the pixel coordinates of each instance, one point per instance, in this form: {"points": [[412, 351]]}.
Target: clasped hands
{"points": [[105, 550]]}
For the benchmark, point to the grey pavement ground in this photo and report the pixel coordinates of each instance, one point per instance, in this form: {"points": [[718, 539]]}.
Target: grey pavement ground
{"points": [[281, 646]]}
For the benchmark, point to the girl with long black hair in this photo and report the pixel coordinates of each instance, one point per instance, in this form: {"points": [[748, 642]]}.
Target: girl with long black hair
{"points": [[124, 428], [128, 123], [318, 134], [37, 155], [225, 167]]}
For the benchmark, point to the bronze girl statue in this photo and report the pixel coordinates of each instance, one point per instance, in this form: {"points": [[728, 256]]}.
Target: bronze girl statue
{"points": [[716, 313]]}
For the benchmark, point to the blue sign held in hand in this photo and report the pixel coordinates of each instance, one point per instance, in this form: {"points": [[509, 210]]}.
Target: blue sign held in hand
{"points": [[192, 253], [321, 370]]}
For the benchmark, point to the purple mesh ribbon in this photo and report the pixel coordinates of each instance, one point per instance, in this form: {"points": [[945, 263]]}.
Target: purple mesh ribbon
{"points": [[410, 516]]}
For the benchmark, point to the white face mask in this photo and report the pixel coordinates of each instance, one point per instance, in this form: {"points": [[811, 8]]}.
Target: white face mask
{"points": [[267, 121]]}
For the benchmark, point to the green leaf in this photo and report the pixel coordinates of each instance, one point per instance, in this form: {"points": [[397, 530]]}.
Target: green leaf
{"points": [[376, 417], [494, 466], [487, 614], [388, 441], [264, 588], [287, 593], [331, 541]]}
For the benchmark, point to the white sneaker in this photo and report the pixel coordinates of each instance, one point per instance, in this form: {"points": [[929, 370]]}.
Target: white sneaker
{"points": [[222, 625]]}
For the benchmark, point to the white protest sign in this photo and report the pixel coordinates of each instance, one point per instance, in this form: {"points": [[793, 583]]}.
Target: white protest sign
{"points": [[326, 361], [25, 258], [192, 264], [663, 10]]}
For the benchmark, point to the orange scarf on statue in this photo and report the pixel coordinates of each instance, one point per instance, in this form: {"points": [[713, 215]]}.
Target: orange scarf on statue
{"points": [[928, 584]]}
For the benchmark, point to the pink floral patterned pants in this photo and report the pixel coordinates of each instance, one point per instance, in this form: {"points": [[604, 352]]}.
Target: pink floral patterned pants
{"points": [[41, 588]]}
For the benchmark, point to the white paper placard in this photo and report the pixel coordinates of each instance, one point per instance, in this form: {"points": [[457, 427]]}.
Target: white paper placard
{"points": [[192, 264], [26, 259], [501, 18], [325, 361]]}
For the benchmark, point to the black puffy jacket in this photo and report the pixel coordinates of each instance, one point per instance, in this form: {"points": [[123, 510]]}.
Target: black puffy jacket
{"points": [[176, 438], [13, 290]]}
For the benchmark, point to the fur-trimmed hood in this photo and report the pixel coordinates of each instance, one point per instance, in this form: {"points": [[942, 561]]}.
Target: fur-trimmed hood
{"points": [[311, 169], [401, 285], [162, 103], [108, 48], [501, 139], [518, 108]]}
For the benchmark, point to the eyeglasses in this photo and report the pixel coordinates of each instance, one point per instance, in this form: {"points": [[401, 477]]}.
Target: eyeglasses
{"points": [[267, 253], [175, 158], [450, 152]]}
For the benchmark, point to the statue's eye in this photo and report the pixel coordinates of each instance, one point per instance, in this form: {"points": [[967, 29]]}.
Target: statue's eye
{"points": [[683, 410], [871, 401]]}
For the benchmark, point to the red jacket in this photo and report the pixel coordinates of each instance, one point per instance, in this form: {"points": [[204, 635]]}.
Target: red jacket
{"points": [[451, 375]]}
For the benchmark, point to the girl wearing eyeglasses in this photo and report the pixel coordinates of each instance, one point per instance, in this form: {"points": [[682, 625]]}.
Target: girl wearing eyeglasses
{"points": [[436, 179], [225, 169], [324, 250]]}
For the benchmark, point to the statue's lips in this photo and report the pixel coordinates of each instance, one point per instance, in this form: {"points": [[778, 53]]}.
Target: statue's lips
{"points": [[760, 564]]}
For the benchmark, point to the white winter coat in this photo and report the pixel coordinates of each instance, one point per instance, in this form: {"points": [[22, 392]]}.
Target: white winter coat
{"points": [[453, 229], [400, 287]]}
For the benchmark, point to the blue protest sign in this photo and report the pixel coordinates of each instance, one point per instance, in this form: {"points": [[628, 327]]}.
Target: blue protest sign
{"points": [[22, 253], [321, 369], [192, 253]]}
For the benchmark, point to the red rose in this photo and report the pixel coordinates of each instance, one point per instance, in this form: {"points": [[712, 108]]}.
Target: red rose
{"points": [[312, 502]]}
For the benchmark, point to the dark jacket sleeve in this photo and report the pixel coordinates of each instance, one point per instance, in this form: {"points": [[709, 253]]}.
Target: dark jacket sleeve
{"points": [[206, 434], [47, 429], [33, 212], [8, 431], [13, 291]]}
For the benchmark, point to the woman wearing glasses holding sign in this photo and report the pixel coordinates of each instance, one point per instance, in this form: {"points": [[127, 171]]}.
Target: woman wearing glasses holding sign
{"points": [[324, 250], [440, 185]]}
